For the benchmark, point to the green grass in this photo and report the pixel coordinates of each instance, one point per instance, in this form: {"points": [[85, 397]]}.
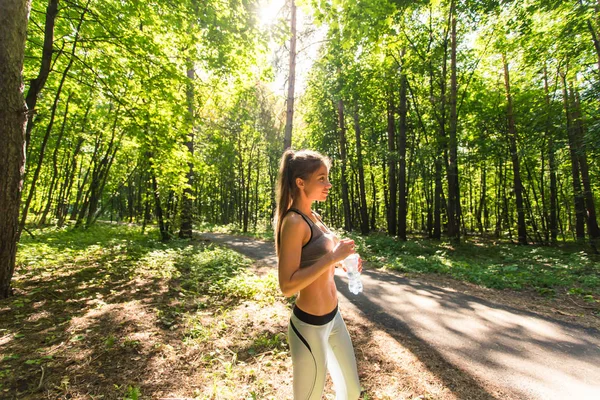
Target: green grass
{"points": [[192, 289], [120, 249], [498, 266]]}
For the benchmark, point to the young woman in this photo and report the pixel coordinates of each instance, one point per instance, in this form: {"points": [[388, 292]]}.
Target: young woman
{"points": [[308, 253]]}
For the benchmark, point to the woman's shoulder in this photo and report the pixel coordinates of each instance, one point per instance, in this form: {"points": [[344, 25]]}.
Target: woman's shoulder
{"points": [[293, 222], [292, 218]]}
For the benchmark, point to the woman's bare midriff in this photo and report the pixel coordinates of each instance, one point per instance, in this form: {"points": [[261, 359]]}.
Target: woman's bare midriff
{"points": [[320, 297]]}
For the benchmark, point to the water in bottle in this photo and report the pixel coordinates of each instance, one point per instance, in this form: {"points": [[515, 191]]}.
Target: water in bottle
{"points": [[351, 264]]}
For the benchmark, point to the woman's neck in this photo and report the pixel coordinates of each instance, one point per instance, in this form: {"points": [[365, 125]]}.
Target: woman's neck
{"points": [[304, 206]]}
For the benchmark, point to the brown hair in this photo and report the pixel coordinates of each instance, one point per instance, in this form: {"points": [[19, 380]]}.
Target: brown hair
{"points": [[294, 164]]}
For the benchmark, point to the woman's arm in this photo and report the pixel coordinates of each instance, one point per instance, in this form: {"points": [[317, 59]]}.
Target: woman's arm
{"points": [[292, 279]]}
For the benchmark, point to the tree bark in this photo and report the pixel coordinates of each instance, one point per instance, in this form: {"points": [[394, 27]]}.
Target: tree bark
{"points": [[441, 146], [36, 85], [482, 200], [100, 176], [80, 189], [289, 115], [13, 119], [364, 213], [344, 162], [391, 162], [164, 234], [437, 200], [452, 167], [402, 186], [512, 138], [54, 179], [373, 199], [71, 179], [579, 201], [552, 223], [588, 195], [50, 124], [595, 41], [185, 230], [499, 198]]}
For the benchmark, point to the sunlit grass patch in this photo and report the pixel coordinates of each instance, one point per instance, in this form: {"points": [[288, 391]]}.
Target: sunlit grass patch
{"points": [[151, 300], [159, 263]]}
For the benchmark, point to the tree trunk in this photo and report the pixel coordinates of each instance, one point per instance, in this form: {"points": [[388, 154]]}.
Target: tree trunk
{"points": [[534, 224], [71, 180], [256, 201], [80, 192], [344, 162], [429, 193], [437, 200], [482, 199], [41, 155], [595, 41], [364, 213], [36, 85], [247, 185], [577, 192], [94, 210], [13, 120], [512, 137], [441, 145], [507, 214], [53, 181], [373, 199], [164, 234], [185, 231], [499, 198], [402, 200], [50, 124], [552, 225], [452, 167], [391, 162], [98, 177], [289, 115], [588, 195]]}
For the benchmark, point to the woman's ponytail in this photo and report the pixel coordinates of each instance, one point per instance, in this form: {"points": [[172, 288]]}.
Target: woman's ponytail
{"points": [[301, 164], [283, 192]]}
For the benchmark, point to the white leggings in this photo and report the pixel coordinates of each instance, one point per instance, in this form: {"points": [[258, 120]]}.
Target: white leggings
{"points": [[318, 348]]}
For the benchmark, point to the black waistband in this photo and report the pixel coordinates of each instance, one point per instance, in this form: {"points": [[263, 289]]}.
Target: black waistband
{"points": [[314, 319]]}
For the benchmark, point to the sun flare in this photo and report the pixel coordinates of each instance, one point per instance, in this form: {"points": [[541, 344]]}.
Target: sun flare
{"points": [[269, 11]]}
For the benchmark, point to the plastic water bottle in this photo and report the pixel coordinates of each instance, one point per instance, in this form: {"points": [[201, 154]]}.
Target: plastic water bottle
{"points": [[351, 264]]}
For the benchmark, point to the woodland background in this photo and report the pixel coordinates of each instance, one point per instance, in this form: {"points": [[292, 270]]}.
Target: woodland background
{"points": [[442, 118], [456, 129]]}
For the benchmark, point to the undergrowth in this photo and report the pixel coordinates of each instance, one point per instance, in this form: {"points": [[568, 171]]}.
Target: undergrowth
{"points": [[116, 297], [494, 265]]}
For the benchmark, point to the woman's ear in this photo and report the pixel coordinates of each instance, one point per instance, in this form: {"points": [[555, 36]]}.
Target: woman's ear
{"points": [[300, 183]]}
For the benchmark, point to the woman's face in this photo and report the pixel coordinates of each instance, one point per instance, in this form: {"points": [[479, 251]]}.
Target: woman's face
{"points": [[318, 185]]}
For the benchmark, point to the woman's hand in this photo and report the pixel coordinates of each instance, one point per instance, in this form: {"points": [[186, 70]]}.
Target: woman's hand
{"points": [[360, 268], [344, 248]]}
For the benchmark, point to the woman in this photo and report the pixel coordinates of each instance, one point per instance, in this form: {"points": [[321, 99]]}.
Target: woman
{"points": [[308, 252]]}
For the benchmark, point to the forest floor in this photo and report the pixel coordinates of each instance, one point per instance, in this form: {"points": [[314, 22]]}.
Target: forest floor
{"points": [[110, 313]]}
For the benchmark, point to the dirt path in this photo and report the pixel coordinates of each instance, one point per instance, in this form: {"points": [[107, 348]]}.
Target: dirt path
{"points": [[476, 347]]}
